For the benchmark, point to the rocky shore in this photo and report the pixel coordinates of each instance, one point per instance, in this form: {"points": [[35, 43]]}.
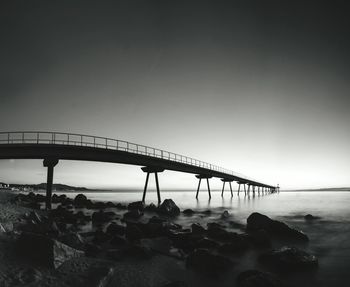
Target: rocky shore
{"points": [[85, 243]]}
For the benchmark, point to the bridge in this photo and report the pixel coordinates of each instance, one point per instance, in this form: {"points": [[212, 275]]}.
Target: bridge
{"points": [[54, 146]]}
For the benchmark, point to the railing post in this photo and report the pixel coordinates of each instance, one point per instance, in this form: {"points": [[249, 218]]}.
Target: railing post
{"points": [[22, 137], [106, 144]]}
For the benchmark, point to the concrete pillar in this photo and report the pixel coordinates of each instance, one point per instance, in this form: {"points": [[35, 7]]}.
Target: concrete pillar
{"points": [[50, 163], [200, 176], [154, 170]]}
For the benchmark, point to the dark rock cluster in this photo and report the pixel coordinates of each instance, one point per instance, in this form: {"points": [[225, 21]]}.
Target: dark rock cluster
{"points": [[145, 230]]}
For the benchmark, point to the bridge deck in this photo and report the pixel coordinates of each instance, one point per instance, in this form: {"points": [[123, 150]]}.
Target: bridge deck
{"points": [[41, 145]]}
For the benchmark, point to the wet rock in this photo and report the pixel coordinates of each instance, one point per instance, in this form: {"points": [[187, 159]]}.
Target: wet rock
{"points": [[197, 228], [203, 261], [188, 212], [133, 214], [73, 239], [257, 221], [310, 217], [237, 244], [44, 250], [260, 238], [207, 212], [35, 217], [159, 244], [92, 250], [139, 205], [176, 284], [118, 241], [102, 217], [289, 258], [80, 200], [101, 237], [218, 232], [255, 278], [206, 243], [169, 208], [185, 240], [121, 206], [225, 215], [151, 208], [115, 229], [28, 276], [139, 251], [133, 232]]}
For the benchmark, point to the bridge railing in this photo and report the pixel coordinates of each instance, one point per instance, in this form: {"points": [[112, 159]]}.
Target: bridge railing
{"points": [[59, 138]]}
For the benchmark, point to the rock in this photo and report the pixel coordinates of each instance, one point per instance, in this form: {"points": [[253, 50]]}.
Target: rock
{"points": [[80, 200], [289, 258], [115, 229], [310, 217], [28, 276], [188, 212], [6, 227], [257, 221], [151, 208], [92, 250], [44, 250], [169, 208], [101, 237], [237, 244], [225, 215], [139, 205], [176, 284], [160, 244], [218, 232], [207, 212], [203, 261], [102, 217], [118, 241], [73, 239], [206, 243], [260, 238], [197, 228], [133, 232], [255, 278], [121, 206], [133, 214], [139, 251]]}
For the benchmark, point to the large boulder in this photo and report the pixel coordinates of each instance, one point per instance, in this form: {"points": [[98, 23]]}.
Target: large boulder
{"points": [[289, 258], [136, 205], [203, 261], [80, 200], [73, 239], [46, 251], [257, 221], [115, 229], [256, 278], [169, 208]]}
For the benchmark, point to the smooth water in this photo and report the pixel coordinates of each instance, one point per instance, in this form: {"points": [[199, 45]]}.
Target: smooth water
{"points": [[329, 235]]}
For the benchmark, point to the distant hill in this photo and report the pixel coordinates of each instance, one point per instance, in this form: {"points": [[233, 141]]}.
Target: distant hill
{"points": [[55, 186], [327, 189]]}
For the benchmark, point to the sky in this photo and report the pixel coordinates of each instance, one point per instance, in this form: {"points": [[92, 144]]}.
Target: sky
{"points": [[258, 87]]}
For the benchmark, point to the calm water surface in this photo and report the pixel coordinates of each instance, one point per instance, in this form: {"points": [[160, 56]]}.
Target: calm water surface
{"points": [[329, 236]]}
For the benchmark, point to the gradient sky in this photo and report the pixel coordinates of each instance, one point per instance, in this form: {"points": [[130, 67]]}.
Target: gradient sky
{"points": [[259, 87]]}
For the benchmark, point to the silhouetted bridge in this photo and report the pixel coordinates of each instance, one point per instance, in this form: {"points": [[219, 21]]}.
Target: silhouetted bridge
{"points": [[53, 146]]}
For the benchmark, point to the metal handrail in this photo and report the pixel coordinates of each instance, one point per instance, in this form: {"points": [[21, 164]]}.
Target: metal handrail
{"points": [[59, 138]]}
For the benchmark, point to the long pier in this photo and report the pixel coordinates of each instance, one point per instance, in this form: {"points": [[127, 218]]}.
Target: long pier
{"points": [[54, 146]]}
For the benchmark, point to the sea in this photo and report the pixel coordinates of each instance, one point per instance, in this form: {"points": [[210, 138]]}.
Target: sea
{"points": [[329, 234]]}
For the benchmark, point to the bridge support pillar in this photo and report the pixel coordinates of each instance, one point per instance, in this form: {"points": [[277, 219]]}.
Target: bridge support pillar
{"points": [[200, 177], [154, 170], [50, 163], [223, 186], [248, 190]]}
